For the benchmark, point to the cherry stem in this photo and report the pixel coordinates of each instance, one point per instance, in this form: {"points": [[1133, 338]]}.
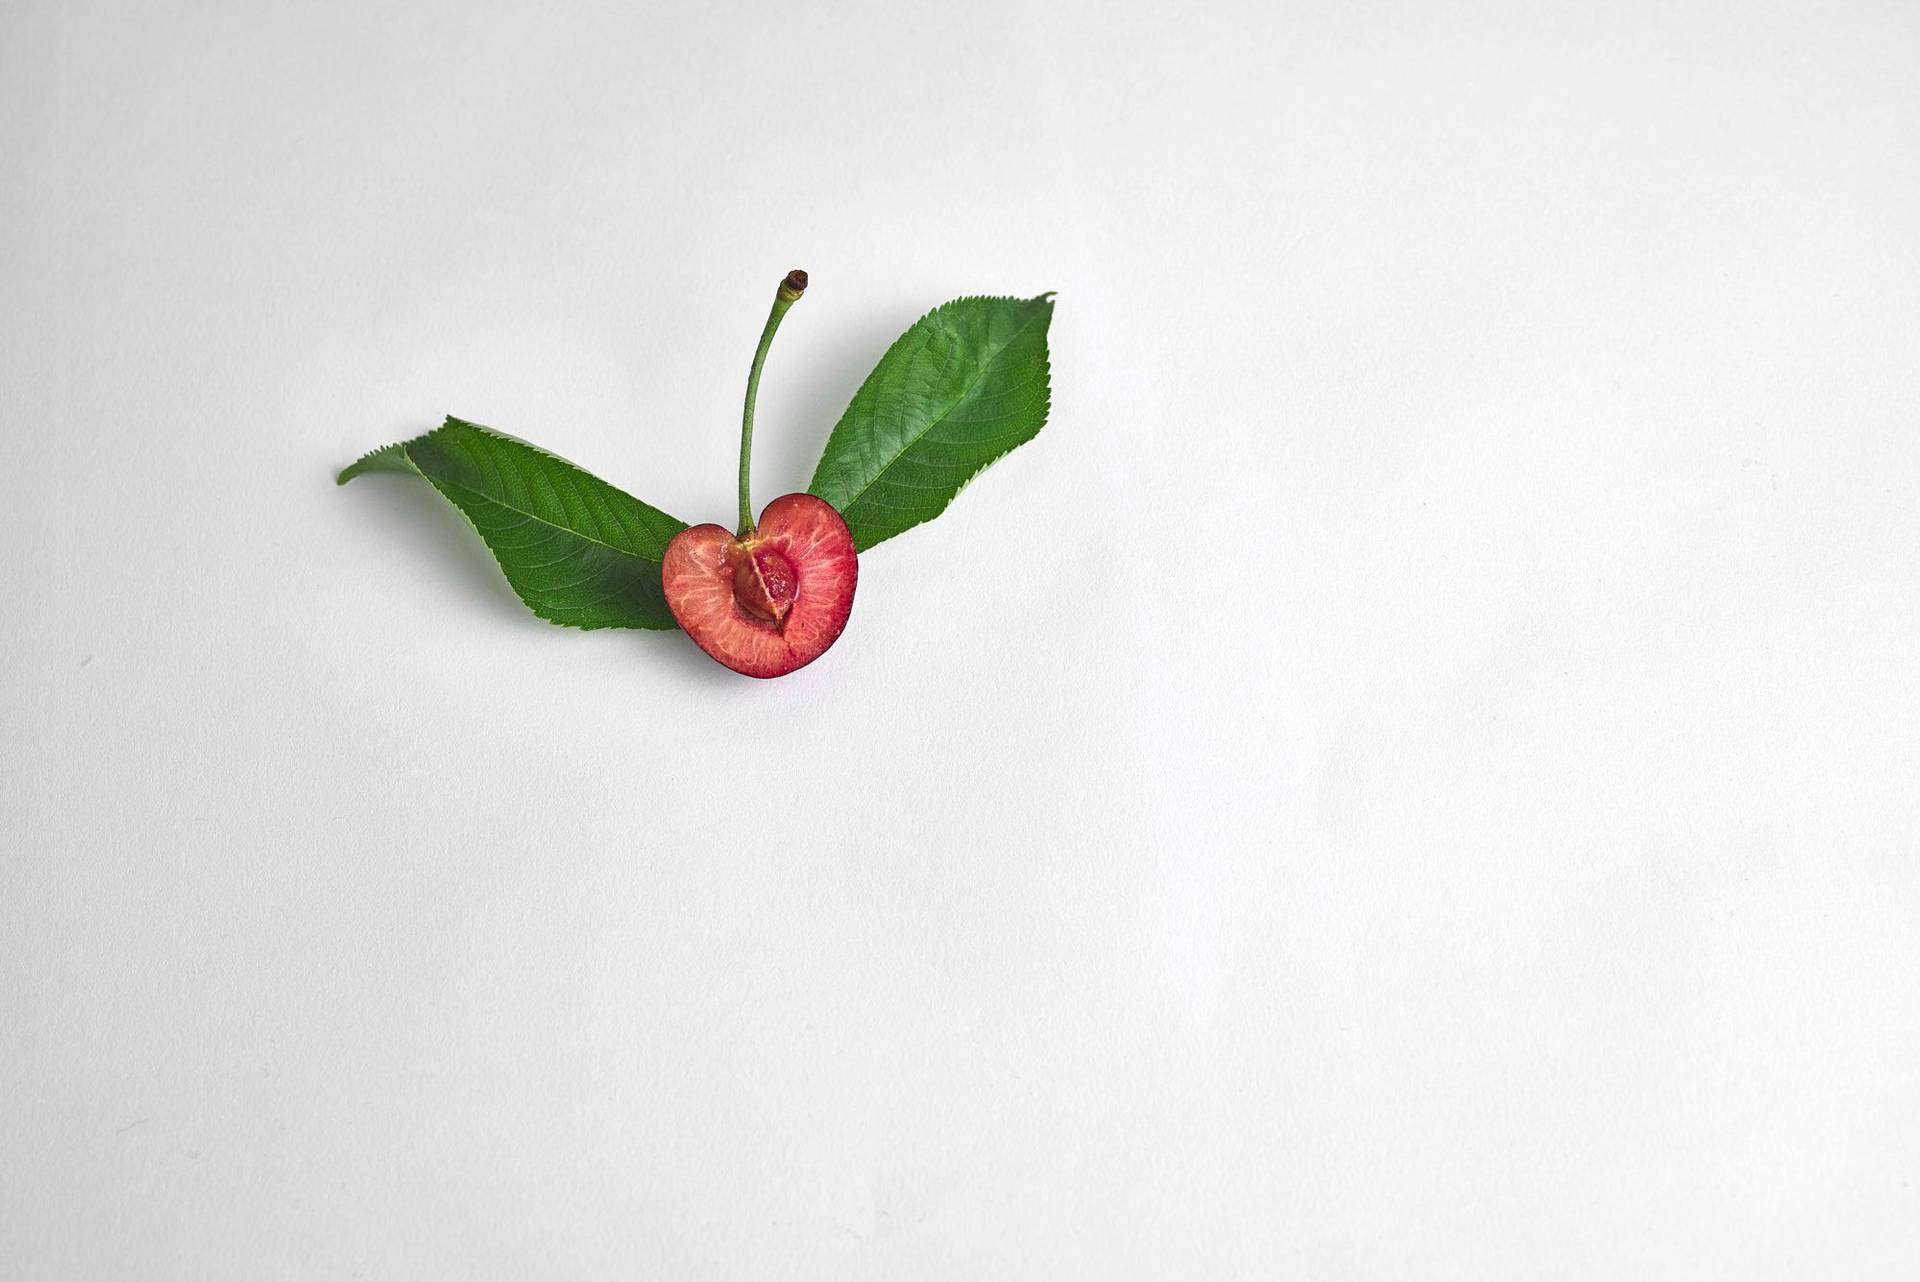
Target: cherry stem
{"points": [[789, 293]]}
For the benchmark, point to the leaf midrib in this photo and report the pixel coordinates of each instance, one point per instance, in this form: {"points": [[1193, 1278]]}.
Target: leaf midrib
{"points": [[535, 516], [948, 411]]}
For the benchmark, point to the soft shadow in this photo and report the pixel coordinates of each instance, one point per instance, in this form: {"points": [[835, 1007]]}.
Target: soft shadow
{"points": [[825, 384], [407, 509], [676, 651]]}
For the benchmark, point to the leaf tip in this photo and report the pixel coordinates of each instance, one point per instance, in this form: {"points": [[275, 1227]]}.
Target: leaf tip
{"points": [[388, 458]]}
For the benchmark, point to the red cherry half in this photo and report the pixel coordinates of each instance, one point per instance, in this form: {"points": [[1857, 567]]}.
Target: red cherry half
{"points": [[771, 601]]}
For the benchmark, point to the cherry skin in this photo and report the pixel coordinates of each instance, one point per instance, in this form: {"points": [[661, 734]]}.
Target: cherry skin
{"points": [[769, 601]]}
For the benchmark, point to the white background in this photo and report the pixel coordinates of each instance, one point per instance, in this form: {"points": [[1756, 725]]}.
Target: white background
{"points": [[1410, 775]]}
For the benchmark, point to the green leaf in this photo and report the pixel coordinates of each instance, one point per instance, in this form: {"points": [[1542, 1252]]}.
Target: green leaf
{"points": [[578, 551], [966, 384]]}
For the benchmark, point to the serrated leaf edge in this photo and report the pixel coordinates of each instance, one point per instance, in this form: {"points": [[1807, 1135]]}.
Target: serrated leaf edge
{"points": [[388, 458], [1045, 413], [394, 458]]}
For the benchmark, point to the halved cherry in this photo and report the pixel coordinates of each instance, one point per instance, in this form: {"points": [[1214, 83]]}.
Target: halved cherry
{"points": [[771, 600]]}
